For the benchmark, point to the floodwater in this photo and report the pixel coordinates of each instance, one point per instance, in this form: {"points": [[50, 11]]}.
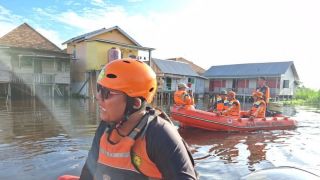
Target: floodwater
{"points": [[42, 139]]}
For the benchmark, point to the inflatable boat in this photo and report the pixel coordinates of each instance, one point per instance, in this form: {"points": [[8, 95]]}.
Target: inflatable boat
{"points": [[211, 121]]}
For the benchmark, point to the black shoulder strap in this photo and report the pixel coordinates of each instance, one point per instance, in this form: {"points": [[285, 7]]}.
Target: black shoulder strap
{"points": [[142, 125]]}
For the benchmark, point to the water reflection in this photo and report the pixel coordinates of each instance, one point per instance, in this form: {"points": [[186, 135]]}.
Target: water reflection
{"points": [[50, 136], [42, 139], [240, 153]]}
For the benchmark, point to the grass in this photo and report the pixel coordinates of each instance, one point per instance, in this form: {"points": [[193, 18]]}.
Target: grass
{"points": [[305, 96]]}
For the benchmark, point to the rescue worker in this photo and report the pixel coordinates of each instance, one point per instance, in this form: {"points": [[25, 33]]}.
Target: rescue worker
{"points": [[258, 109], [132, 141], [222, 102], [262, 87], [234, 105], [183, 98]]}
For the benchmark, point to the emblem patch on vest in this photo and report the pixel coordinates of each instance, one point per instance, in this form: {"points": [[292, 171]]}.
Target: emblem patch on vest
{"points": [[136, 160]]}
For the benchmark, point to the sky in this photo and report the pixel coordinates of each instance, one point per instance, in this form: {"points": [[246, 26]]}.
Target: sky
{"points": [[207, 32]]}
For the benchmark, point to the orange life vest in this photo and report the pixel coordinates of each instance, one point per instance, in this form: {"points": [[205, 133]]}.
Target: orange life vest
{"points": [[262, 110], [222, 104], [266, 93], [234, 109], [182, 98], [128, 154]]}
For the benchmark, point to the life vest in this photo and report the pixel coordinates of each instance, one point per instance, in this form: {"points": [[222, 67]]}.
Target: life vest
{"points": [[266, 93], [234, 109], [183, 99], [128, 158], [222, 104], [255, 107]]}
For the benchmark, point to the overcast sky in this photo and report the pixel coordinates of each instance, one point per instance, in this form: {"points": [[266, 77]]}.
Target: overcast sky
{"points": [[212, 32]]}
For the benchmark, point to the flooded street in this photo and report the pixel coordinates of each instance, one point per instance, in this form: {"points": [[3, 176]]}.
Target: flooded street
{"points": [[45, 139]]}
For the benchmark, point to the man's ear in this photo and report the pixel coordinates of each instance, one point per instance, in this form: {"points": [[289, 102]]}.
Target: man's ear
{"points": [[137, 103]]}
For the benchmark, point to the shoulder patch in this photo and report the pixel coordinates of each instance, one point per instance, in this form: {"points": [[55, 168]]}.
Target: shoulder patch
{"points": [[136, 160]]}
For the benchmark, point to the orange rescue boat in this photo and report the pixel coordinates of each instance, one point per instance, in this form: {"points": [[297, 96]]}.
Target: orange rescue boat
{"points": [[210, 121]]}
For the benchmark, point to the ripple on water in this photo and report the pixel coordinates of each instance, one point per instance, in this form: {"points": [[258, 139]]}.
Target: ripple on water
{"points": [[41, 140]]}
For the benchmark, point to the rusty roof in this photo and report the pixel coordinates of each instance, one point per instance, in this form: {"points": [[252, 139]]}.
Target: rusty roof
{"points": [[24, 36]]}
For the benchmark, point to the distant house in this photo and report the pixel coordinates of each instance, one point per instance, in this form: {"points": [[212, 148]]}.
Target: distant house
{"points": [[171, 73], [92, 50], [32, 65], [282, 78], [199, 70]]}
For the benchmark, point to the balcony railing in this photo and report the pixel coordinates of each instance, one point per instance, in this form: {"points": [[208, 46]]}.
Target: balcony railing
{"points": [[36, 78], [246, 91]]}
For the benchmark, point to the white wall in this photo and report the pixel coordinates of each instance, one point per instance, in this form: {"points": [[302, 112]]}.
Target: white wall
{"points": [[253, 83], [287, 76], [229, 84], [200, 85], [5, 68]]}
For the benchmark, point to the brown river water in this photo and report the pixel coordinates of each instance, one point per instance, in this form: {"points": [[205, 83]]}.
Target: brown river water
{"points": [[48, 138]]}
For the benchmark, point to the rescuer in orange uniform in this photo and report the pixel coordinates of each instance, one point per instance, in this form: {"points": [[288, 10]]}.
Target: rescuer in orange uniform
{"points": [[133, 141], [234, 105], [262, 87], [258, 109], [222, 102], [183, 98]]}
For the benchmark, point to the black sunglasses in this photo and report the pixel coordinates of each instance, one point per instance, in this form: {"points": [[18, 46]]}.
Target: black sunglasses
{"points": [[105, 92]]}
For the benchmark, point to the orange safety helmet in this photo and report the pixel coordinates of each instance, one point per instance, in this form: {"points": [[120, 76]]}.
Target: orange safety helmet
{"points": [[232, 93], [258, 94], [130, 76]]}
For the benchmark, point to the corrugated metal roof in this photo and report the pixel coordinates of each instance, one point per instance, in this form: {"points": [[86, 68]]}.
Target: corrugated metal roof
{"points": [[174, 67], [248, 70]]}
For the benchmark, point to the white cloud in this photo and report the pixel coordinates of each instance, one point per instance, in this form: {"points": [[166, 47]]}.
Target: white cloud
{"points": [[217, 32], [52, 36], [8, 20], [134, 1]]}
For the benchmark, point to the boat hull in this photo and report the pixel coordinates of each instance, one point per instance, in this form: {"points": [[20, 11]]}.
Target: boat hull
{"points": [[210, 121]]}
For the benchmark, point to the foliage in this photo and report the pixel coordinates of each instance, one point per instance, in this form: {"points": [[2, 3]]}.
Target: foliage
{"points": [[305, 96]]}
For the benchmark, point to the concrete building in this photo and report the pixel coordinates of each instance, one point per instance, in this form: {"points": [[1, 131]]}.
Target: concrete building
{"points": [[282, 78]]}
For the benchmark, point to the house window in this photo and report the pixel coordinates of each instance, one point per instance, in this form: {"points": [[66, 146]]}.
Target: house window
{"points": [[59, 66], [285, 83], [191, 80], [26, 62], [67, 67], [74, 54], [168, 83]]}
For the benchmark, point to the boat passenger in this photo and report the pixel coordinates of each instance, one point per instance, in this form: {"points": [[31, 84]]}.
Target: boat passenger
{"points": [[132, 141], [258, 109], [234, 105], [183, 98], [262, 87], [222, 102]]}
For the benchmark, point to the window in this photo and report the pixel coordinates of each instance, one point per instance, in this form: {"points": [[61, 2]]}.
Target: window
{"points": [[59, 66], [67, 67], [168, 83], [26, 62], [74, 54], [285, 83], [191, 80]]}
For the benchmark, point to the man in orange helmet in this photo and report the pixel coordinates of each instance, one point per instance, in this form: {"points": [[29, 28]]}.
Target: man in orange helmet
{"points": [[258, 109], [132, 140], [234, 108], [183, 98]]}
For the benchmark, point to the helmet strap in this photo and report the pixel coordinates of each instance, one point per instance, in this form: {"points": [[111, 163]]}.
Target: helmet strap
{"points": [[130, 107]]}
